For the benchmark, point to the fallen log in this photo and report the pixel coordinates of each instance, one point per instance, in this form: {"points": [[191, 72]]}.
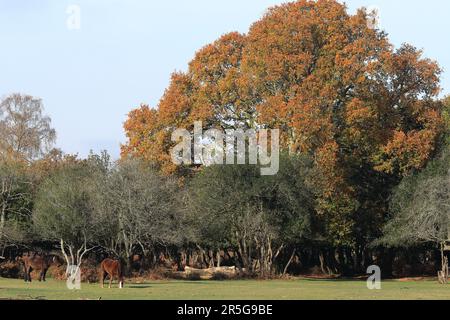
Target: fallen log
{"points": [[210, 273]]}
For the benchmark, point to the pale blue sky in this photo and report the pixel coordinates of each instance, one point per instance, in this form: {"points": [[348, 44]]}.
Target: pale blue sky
{"points": [[126, 50]]}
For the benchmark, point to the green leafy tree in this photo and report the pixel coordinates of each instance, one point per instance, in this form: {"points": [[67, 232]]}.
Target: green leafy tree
{"points": [[256, 215]]}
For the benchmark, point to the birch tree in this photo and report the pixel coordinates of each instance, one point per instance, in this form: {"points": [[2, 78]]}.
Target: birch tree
{"points": [[25, 130]]}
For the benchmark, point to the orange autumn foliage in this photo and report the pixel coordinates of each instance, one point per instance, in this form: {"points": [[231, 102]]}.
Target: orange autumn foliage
{"points": [[336, 88]]}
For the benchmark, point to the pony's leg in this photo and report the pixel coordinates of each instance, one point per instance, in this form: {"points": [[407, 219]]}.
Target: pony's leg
{"points": [[102, 279], [110, 280], [29, 275], [25, 269], [44, 274]]}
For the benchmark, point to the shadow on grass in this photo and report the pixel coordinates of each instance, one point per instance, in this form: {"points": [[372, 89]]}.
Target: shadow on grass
{"points": [[332, 280]]}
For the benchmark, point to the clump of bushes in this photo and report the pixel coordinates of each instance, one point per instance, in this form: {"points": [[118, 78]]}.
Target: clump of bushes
{"points": [[11, 270]]}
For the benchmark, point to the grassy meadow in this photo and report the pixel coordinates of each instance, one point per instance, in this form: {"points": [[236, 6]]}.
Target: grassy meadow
{"points": [[301, 289]]}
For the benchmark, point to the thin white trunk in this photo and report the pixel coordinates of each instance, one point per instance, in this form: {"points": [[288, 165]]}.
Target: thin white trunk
{"points": [[66, 257], [2, 227], [289, 262]]}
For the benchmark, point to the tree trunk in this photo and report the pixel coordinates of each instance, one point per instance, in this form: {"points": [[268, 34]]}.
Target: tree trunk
{"points": [[69, 261], [289, 262], [322, 262], [211, 262], [444, 273], [2, 221], [243, 254], [218, 258], [73, 260], [184, 259]]}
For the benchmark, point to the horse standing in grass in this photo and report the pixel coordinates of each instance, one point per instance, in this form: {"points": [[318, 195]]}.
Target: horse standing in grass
{"points": [[113, 269], [39, 262]]}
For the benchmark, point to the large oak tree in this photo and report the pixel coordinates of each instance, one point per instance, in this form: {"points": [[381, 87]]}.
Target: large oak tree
{"points": [[339, 90]]}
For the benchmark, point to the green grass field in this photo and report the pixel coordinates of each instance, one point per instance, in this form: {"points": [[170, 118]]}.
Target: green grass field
{"points": [[303, 289]]}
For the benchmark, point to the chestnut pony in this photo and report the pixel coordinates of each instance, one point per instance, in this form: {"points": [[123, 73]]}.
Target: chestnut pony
{"points": [[113, 269]]}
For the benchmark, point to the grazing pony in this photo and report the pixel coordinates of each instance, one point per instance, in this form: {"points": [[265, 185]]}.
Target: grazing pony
{"points": [[111, 268], [39, 262]]}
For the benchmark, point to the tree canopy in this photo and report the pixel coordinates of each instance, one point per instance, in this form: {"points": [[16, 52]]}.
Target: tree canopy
{"points": [[337, 88], [26, 132], [421, 206], [236, 206]]}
